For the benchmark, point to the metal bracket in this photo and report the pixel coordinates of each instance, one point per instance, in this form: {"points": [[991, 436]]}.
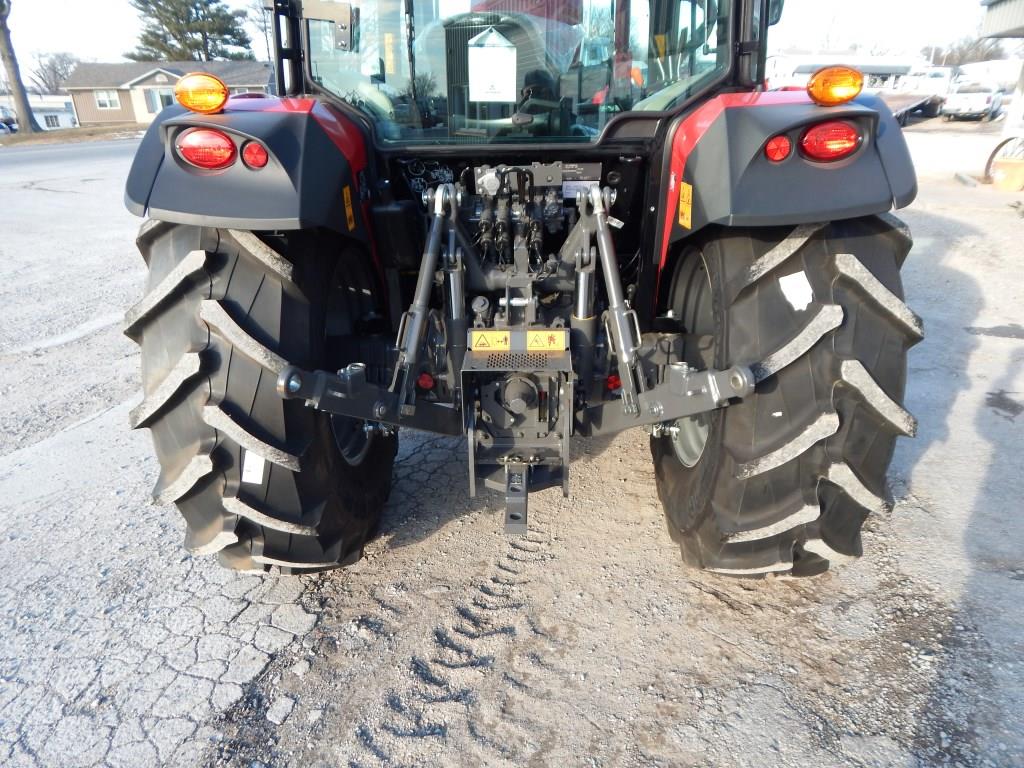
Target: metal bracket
{"points": [[348, 393], [517, 480], [683, 393]]}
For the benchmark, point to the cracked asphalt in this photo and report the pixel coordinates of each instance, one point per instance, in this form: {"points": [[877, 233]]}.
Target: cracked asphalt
{"points": [[585, 643]]}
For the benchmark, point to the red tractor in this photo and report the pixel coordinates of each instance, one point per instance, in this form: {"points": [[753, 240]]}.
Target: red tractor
{"points": [[517, 222]]}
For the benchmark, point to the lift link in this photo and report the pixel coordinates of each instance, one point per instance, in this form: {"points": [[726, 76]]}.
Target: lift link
{"points": [[411, 328], [620, 321]]}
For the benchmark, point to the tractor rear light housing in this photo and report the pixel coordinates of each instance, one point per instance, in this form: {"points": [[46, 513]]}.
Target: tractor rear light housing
{"points": [[831, 141], [206, 148]]}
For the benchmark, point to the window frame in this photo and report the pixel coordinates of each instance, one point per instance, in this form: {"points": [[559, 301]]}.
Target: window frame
{"points": [[109, 104], [717, 78], [51, 121]]}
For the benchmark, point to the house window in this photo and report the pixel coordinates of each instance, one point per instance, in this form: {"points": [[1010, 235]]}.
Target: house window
{"points": [[107, 100], [158, 98], [52, 121]]}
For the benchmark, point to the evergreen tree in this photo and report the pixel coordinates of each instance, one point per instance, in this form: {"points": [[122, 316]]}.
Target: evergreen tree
{"points": [[190, 30]]}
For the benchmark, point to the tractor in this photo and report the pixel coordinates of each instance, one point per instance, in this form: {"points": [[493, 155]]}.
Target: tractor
{"points": [[518, 222]]}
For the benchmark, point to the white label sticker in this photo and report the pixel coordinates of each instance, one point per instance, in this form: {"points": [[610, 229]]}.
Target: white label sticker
{"points": [[797, 290], [252, 468], [492, 68]]}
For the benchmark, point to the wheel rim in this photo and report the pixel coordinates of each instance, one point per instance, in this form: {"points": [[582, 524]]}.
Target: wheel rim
{"points": [[349, 301], [689, 435], [352, 438]]}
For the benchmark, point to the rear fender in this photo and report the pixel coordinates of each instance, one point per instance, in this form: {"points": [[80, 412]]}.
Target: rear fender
{"points": [[717, 160], [316, 175]]}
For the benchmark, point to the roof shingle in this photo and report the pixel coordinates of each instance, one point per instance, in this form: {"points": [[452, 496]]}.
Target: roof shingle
{"points": [[233, 73]]}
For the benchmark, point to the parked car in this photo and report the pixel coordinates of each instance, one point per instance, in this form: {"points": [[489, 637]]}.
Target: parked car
{"points": [[8, 120], [973, 100]]}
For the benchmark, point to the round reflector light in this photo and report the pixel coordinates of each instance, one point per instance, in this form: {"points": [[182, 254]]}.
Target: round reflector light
{"points": [[830, 141], [778, 148], [835, 85], [201, 92], [254, 154], [206, 148]]}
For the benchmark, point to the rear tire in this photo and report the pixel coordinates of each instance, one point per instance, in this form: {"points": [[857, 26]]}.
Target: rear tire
{"points": [[787, 476], [260, 480]]}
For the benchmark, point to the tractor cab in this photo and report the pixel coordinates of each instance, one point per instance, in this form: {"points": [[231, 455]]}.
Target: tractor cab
{"points": [[476, 71]]}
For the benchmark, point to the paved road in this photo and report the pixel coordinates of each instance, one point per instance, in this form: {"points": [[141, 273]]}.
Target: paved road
{"points": [[585, 644]]}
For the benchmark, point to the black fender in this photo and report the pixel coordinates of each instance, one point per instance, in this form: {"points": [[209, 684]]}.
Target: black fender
{"points": [[315, 177], [717, 171]]}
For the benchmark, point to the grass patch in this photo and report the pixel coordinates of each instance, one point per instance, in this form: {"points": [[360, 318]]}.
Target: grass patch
{"points": [[74, 135]]}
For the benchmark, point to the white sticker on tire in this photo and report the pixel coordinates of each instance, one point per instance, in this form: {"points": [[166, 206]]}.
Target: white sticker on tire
{"points": [[252, 468], [797, 290]]}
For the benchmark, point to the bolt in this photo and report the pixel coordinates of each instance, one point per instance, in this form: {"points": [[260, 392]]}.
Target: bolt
{"points": [[736, 382], [655, 409], [379, 409], [294, 383]]}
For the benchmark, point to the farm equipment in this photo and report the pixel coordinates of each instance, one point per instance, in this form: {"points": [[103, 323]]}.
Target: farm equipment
{"points": [[519, 223]]}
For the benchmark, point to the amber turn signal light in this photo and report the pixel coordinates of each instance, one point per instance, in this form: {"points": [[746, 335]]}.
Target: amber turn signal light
{"points": [[201, 92], [832, 86]]}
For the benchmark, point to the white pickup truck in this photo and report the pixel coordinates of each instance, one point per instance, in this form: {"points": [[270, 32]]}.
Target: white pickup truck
{"points": [[973, 100]]}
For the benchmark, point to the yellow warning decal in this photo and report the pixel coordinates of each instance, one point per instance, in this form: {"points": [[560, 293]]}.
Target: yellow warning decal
{"points": [[350, 214], [549, 340], [685, 205], [490, 341], [659, 44]]}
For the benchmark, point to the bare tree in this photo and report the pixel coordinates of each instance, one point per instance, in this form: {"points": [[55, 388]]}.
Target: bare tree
{"points": [[259, 17], [966, 51], [26, 120], [52, 69]]}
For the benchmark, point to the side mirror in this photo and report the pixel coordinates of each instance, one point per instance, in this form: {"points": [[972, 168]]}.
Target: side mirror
{"points": [[774, 12]]}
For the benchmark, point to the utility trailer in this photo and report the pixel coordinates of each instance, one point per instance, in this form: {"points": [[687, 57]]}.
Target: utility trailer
{"points": [[461, 219], [903, 105]]}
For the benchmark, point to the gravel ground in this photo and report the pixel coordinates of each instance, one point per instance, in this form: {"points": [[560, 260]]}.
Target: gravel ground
{"points": [[586, 643]]}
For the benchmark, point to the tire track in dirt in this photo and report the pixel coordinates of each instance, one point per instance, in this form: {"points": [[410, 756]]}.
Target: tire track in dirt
{"points": [[471, 674]]}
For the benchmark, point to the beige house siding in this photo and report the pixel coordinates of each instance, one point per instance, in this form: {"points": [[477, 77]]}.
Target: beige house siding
{"points": [[90, 114], [1004, 19]]}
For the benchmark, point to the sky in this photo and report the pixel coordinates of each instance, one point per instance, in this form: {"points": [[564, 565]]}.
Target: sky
{"points": [[103, 30]]}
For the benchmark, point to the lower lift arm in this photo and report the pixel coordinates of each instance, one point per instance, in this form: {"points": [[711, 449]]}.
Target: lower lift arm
{"points": [[684, 392]]}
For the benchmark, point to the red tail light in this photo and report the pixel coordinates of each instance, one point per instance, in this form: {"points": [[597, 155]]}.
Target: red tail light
{"points": [[206, 148], [778, 148], [254, 154], [830, 141]]}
